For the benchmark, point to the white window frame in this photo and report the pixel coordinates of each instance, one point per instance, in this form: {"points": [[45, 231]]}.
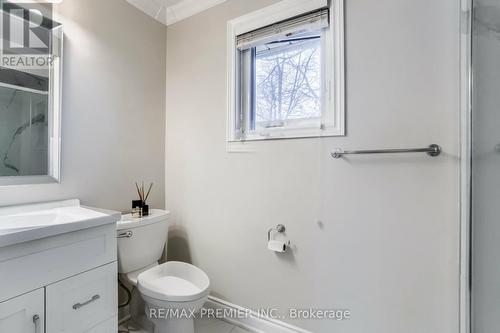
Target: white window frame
{"points": [[333, 48]]}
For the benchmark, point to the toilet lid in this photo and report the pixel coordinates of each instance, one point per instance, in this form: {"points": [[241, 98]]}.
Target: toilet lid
{"points": [[174, 281]]}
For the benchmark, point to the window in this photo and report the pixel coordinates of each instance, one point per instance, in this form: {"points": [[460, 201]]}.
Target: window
{"points": [[286, 75]]}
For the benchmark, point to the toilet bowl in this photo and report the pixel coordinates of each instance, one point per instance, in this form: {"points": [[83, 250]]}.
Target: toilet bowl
{"points": [[173, 292], [165, 296]]}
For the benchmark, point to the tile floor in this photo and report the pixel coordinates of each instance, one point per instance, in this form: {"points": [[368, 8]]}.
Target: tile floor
{"points": [[201, 326]]}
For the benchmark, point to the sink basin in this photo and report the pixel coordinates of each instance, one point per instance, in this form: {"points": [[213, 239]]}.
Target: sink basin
{"points": [[35, 221]]}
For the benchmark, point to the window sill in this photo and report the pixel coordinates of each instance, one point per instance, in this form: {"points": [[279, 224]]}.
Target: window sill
{"points": [[250, 143]]}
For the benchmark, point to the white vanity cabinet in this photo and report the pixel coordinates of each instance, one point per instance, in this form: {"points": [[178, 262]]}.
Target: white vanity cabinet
{"points": [[78, 303], [65, 280], [23, 314]]}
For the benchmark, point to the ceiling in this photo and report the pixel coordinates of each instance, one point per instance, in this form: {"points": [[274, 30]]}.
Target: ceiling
{"points": [[171, 11]]}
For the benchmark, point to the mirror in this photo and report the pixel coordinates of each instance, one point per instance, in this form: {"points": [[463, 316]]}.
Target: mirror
{"points": [[30, 99]]}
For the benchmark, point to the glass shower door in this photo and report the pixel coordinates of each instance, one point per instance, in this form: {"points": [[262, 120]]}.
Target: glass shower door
{"points": [[486, 167]]}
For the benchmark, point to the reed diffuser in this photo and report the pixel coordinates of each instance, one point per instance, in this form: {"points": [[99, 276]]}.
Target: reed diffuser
{"points": [[143, 198]]}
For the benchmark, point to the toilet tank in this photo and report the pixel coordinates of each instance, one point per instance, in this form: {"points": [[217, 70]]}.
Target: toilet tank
{"points": [[141, 240]]}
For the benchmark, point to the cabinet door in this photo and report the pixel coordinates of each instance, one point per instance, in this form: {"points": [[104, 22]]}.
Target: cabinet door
{"points": [[83, 301], [23, 314]]}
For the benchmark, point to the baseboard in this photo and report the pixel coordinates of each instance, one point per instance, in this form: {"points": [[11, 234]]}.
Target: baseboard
{"points": [[253, 322]]}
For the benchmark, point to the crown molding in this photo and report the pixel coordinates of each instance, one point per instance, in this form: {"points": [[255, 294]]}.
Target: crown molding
{"points": [[172, 14], [149, 7]]}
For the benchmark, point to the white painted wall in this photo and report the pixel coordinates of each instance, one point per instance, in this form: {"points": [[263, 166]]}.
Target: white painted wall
{"points": [[113, 107], [375, 234]]}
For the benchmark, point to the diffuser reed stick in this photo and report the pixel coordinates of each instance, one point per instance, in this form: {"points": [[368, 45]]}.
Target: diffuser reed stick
{"points": [[143, 196], [149, 191], [139, 192]]}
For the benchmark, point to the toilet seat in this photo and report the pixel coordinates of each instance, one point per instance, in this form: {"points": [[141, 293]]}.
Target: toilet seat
{"points": [[174, 281]]}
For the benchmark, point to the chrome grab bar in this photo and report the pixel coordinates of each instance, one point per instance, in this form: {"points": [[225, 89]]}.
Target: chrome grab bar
{"points": [[126, 234], [79, 305], [433, 151]]}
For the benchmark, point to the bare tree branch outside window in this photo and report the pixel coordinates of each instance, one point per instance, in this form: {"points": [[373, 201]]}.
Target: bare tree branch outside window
{"points": [[288, 81]]}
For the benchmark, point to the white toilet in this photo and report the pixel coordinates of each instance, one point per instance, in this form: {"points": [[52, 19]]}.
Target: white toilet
{"points": [[173, 285]]}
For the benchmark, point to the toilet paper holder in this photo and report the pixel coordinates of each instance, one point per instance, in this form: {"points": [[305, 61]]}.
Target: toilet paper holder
{"points": [[280, 228]]}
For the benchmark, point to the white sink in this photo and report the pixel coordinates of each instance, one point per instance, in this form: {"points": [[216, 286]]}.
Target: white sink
{"points": [[35, 221]]}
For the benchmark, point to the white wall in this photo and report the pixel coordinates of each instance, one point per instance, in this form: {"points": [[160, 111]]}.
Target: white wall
{"points": [[113, 107], [376, 234]]}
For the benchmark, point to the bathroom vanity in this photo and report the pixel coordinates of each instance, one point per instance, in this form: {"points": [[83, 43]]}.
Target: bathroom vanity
{"points": [[58, 270]]}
